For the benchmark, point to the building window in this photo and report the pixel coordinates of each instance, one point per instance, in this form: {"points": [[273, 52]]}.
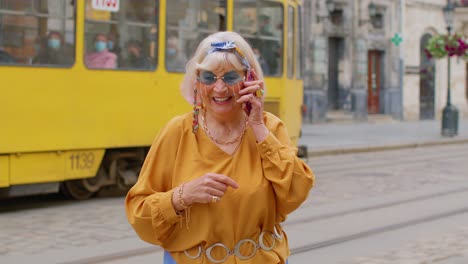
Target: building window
{"points": [[336, 17]]}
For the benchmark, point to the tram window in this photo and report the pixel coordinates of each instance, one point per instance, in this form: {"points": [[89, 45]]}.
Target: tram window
{"points": [[261, 24], [39, 32], [291, 44], [189, 22], [122, 36]]}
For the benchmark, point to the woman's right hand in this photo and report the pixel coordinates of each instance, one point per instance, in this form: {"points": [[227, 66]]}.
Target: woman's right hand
{"points": [[202, 189]]}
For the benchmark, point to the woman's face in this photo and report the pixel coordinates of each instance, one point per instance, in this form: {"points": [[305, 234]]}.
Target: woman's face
{"points": [[220, 90]]}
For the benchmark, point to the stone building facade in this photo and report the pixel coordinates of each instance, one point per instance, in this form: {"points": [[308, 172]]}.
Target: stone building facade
{"points": [[425, 82], [364, 57]]}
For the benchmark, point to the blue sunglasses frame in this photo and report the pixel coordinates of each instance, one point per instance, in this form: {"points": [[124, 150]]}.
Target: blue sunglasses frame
{"points": [[209, 78]]}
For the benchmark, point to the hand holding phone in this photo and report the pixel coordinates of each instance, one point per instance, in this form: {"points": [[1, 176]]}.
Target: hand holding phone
{"points": [[249, 77]]}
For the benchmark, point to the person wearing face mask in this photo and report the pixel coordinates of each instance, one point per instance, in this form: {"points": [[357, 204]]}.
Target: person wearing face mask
{"points": [[261, 61], [136, 58], [218, 182], [114, 47], [175, 60], [101, 58], [269, 47], [5, 57], [111, 42], [52, 50]]}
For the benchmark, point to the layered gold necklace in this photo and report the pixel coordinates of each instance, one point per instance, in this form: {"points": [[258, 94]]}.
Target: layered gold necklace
{"points": [[238, 138]]}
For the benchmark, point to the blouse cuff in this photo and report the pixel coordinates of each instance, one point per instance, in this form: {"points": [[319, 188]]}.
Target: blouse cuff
{"points": [[269, 146], [166, 209]]}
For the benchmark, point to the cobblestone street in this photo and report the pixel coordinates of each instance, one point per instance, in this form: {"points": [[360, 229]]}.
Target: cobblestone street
{"points": [[371, 174], [59, 225], [449, 248], [358, 176], [62, 226]]}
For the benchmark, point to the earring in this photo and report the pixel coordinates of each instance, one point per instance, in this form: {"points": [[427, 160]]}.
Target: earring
{"points": [[196, 110]]}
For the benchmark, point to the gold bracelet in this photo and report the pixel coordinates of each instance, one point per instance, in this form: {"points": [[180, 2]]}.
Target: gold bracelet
{"points": [[178, 212], [184, 205], [181, 199]]}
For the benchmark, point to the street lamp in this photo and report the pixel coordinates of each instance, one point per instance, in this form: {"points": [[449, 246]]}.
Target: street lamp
{"points": [[450, 112], [372, 9], [330, 6], [375, 16]]}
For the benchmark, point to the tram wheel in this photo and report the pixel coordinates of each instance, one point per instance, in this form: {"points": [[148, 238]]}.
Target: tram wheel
{"points": [[76, 190]]}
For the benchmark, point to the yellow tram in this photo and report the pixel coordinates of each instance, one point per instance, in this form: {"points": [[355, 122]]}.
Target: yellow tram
{"points": [[74, 120]]}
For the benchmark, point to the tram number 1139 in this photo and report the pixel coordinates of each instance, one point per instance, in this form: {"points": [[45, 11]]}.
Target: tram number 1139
{"points": [[82, 161]]}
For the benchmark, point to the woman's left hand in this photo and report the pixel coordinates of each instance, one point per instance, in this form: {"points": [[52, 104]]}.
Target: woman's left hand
{"points": [[253, 93]]}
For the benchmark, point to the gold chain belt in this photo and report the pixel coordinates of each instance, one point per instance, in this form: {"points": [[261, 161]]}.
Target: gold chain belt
{"points": [[236, 251]]}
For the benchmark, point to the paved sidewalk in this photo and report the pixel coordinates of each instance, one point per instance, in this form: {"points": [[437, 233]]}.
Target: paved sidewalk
{"points": [[336, 138]]}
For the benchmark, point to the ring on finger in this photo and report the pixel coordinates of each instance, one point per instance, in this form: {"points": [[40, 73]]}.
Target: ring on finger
{"points": [[259, 93], [214, 198]]}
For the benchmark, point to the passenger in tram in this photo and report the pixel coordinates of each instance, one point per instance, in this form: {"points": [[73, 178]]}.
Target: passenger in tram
{"points": [[114, 47], [261, 60], [52, 50], [136, 57], [101, 58], [265, 26], [269, 48], [175, 59], [5, 57], [218, 182]]}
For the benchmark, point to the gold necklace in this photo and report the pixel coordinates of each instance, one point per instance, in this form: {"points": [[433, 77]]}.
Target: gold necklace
{"points": [[205, 127]]}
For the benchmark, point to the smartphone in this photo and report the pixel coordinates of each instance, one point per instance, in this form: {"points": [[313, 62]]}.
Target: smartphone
{"points": [[249, 78]]}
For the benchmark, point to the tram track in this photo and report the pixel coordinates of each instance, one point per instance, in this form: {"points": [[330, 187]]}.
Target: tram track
{"points": [[327, 230], [375, 231], [376, 206], [323, 243]]}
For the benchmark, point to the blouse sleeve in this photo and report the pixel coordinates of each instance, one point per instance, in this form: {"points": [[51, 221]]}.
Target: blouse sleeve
{"points": [[291, 178], [149, 202]]}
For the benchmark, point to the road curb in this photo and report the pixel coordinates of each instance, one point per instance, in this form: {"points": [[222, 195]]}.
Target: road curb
{"points": [[363, 149]]}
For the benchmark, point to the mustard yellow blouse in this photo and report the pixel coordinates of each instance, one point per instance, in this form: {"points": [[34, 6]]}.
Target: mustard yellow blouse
{"points": [[272, 181]]}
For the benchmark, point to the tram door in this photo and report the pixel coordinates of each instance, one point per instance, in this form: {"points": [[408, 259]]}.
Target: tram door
{"points": [[374, 64]]}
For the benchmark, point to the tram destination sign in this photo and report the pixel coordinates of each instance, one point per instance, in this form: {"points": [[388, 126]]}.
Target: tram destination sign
{"points": [[106, 5]]}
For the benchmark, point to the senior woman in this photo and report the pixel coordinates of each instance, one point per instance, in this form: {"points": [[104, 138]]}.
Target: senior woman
{"points": [[217, 183]]}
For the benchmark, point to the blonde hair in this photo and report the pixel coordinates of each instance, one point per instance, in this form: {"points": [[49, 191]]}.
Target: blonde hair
{"points": [[218, 60]]}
